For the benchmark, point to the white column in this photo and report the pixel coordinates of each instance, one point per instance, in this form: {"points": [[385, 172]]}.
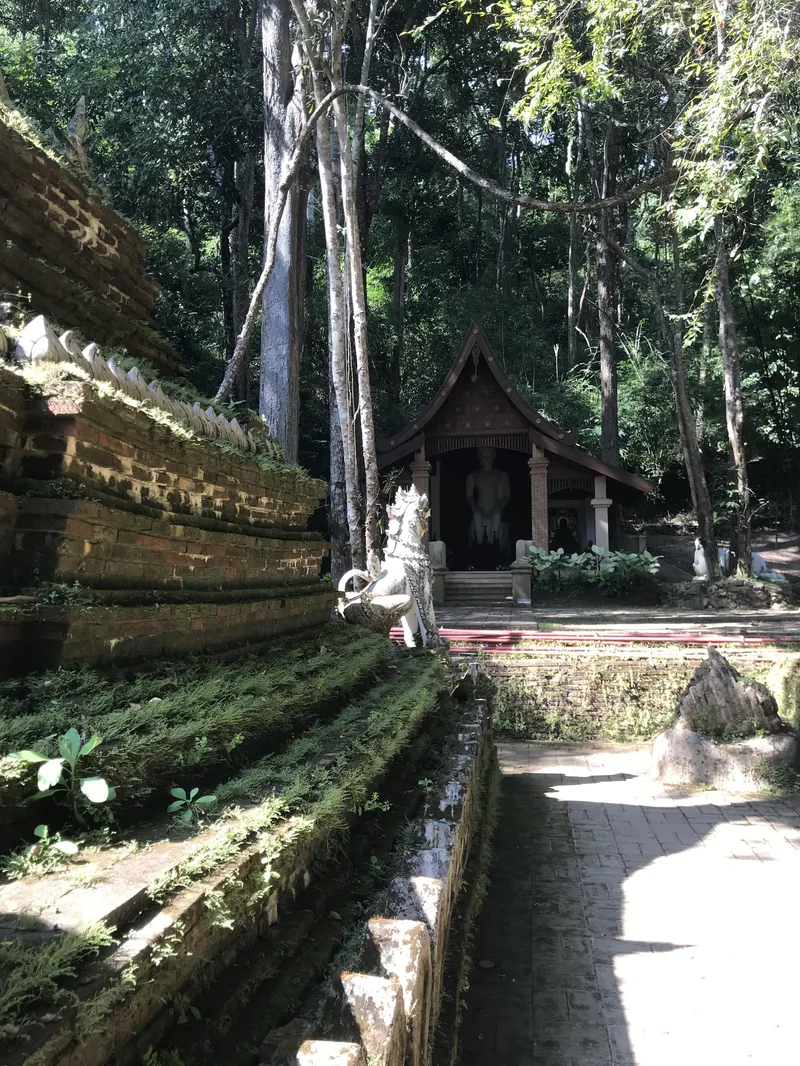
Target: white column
{"points": [[601, 504]]}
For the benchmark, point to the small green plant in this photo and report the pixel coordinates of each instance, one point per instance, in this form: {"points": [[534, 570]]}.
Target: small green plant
{"points": [[233, 743], [60, 777], [47, 853], [166, 947], [373, 803], [218, 913], [181, 1006], [426, 784], [189, 808], [199, 753]]}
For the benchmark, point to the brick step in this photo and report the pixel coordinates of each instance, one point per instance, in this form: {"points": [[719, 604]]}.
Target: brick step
{"points": [[477, 586]]}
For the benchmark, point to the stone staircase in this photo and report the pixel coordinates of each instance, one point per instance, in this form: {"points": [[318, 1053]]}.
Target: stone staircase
{"points": [[477, 586]]}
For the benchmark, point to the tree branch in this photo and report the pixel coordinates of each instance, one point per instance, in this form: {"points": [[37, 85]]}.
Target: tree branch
{"points": [[518, 199]]}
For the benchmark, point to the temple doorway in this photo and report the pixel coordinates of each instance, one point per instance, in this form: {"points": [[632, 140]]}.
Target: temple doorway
{"points": [[453, 523]]}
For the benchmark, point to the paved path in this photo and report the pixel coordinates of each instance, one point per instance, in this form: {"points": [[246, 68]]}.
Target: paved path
{"points": [[630, 923]]}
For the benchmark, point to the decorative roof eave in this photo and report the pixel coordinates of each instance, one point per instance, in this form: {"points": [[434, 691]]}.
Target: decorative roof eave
{"points": [[401, 451], [575, 455], [477, 336]]}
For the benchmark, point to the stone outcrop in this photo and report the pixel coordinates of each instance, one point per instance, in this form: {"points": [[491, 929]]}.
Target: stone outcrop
{"points": [[719, 702], [728, 733]]}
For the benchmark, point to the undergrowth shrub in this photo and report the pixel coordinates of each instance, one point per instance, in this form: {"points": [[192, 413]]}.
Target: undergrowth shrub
{"points": [[198, 713], [612, 573]]}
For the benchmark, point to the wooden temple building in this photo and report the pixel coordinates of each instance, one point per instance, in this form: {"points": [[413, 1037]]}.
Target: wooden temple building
{"points": [[550, 492]]}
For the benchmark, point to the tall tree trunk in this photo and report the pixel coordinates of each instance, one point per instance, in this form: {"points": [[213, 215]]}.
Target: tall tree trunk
{"points": [[734, 406], [341, 559], [606, 306], [575, 257], [279, 392], [358, 296], [705, 362], [399, 253], [687, 422], [244, 182], [337, 325], [671, 331]]}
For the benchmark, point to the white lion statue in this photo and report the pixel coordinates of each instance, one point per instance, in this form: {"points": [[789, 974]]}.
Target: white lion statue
{"points": [[402, 591]]}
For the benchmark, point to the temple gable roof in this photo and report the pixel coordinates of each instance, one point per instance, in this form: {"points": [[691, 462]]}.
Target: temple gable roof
{"points": [[477, 400]]}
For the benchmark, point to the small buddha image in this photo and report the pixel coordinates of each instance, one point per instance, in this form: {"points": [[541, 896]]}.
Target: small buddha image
{"points": [[488, 491], [564, 538]]}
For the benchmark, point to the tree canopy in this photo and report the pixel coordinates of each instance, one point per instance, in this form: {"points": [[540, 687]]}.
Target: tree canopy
{"points": [[696, 277]]}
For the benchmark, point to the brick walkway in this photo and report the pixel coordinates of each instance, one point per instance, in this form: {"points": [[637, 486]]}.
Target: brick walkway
{"points": [[629, 923]]}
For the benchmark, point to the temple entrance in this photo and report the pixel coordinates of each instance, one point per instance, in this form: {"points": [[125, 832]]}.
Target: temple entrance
{"points": [[455, 523]]}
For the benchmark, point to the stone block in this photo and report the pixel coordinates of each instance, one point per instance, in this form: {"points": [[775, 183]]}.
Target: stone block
{"points": [[419, 899], [521, 581], [329, 1053], [401, 949], [375, 1007]]}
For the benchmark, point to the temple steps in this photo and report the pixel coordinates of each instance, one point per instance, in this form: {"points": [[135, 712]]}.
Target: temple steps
{"points": [[477, 586]]}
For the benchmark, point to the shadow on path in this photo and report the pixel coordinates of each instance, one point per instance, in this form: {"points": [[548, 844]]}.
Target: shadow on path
{"points": [[616, 928]]}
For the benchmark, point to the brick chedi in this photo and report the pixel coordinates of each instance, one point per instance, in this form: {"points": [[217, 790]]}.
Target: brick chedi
{"points": [[163, 542], [75, 258]]}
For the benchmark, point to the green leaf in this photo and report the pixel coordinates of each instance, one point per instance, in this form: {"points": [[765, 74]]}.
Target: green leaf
{"points": [[193, 793], [180, 793], [70, 745], [112, 792], [50, 773], [95, 789], [187, 815], [66, 847], [41, 832], [27, 756], [176, 806], [205, 801], [90, 745], [47, 792]]}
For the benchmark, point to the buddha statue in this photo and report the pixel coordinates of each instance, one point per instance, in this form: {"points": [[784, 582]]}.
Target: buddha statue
{"points": [[488, 491]]}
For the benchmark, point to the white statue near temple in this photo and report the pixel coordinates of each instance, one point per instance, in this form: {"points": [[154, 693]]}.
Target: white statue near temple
{"points": [[758, 564], [488, 492]]}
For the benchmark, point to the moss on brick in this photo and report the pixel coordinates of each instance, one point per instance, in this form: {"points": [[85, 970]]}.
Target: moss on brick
{"points": [[594, 698]]}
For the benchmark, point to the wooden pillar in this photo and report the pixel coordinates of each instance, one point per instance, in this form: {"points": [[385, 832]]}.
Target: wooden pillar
{"points": [[601, 504], [539, 517], [421, 477]]}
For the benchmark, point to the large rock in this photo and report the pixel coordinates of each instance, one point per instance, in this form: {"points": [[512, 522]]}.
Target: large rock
{"points": [[727, 734], [719, 703], [682, 757]]}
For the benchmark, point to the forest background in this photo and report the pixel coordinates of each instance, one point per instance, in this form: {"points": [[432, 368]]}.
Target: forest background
{"points": [[664, 328]]}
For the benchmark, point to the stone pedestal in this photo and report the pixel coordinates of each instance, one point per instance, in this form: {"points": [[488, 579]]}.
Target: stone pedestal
{"points": [[601, 504], [537, 465], [521, 575]]}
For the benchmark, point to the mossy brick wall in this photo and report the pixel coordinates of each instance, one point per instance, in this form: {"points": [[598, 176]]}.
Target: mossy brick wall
{"points": [[118, 450], [106, 547], [71, 635], [186, 546], [592, 697], [12, 413], [81, 263]]}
